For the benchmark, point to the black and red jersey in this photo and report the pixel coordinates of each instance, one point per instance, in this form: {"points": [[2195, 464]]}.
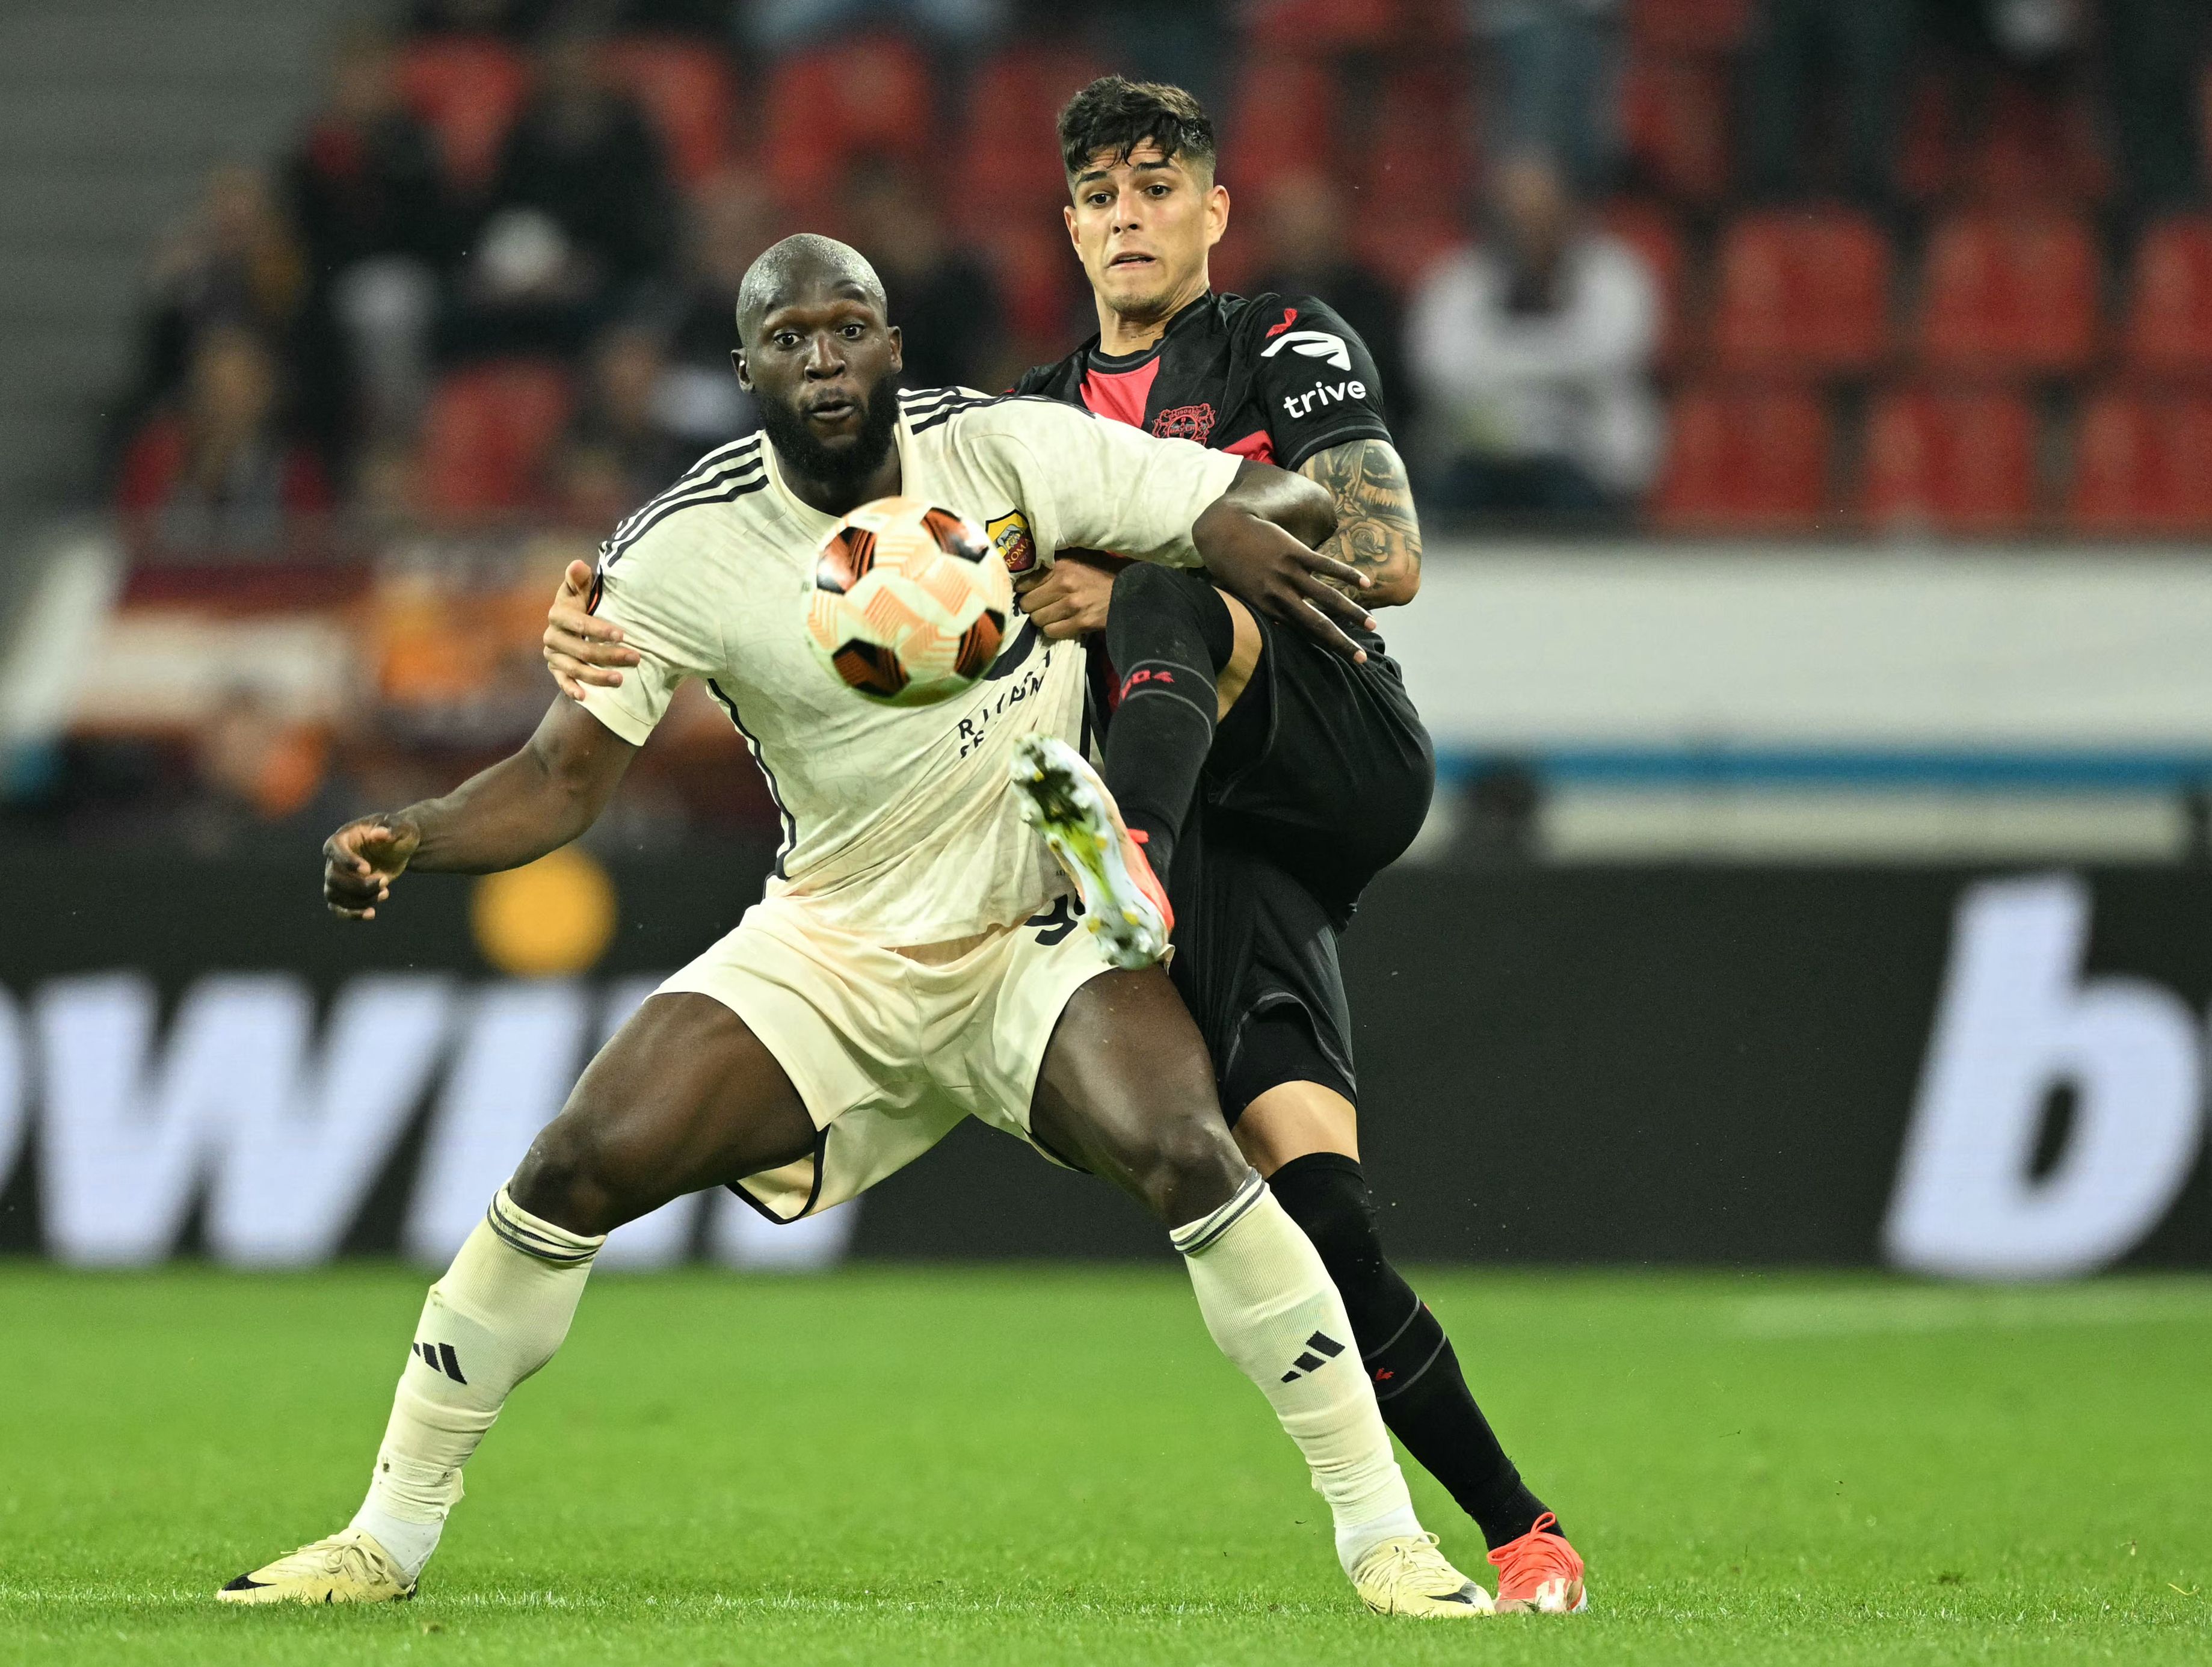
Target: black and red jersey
{"points": [[1274, 377]]}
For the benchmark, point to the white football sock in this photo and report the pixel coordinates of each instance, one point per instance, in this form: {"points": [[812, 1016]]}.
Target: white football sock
{"points": [[1270, 1305], [497, 1316]]}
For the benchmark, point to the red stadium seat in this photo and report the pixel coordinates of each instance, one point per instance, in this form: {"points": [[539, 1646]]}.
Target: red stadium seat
{"points": [[2169, 323], [1711, 26], [691, 93], [487, 435], [1675, 112], [1957, 462], [1802, 293], [1322, 27], [2034, 147], [1011, 146], [1742, 460], [1039, 284], [467, 92], [2142, 463], [1416, 153], [1280, 122], [2009, 294], [1654, 233], [871, 97]]}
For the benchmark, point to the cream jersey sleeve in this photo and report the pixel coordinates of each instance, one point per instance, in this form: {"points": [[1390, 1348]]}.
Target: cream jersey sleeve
{"points": [[664, 592], [1092, 484]]}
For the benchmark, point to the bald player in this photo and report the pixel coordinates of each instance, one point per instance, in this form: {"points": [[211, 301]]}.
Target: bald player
{"points": [[909, 965]]}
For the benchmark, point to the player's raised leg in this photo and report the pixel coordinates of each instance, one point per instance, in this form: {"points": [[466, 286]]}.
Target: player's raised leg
{"points": [[684, 1097], [1127, 1086]]}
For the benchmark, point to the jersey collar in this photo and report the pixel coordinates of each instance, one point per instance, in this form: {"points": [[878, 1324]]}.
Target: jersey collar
{"points": [[1095, 360]]}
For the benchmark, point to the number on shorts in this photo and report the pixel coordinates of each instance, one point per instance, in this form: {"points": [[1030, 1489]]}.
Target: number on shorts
{"points": [[1056, 922]]}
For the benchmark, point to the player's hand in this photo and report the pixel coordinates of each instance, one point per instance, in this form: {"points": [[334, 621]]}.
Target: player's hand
{"points": [[1273, 573], [582, 648], [1070, 597], [361, 860]]}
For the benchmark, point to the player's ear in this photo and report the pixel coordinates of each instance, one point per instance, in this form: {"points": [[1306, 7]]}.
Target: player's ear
{"points": [[1067, 213], [898, 348], [737, 364], [1217, 214]]}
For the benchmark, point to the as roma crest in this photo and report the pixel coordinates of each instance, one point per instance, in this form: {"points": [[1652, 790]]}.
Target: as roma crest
{"points": [[1010, 534]]}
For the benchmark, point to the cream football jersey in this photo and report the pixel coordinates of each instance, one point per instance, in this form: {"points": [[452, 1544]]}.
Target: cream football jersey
{"points": [[899, 824]]}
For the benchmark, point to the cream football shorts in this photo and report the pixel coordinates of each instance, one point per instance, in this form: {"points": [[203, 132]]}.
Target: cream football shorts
{"points": [[889, 1052]]}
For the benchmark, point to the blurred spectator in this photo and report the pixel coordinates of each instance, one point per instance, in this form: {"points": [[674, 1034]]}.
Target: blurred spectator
{"points": [[218, 475], [513, 19], [732, 220], [1305, 233], [1532, 352], [779, 26], [235, 262], [1801, 52], [941, 298], [259, 776], [580, 220], [1553, 82], [621, 450], [2156, 51], [368, 196]]}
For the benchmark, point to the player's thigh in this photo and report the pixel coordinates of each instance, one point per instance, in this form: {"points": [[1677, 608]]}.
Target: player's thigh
{"points": [[1126, 1088], [1234, 679], [684, 1097], [1295, 1120]]}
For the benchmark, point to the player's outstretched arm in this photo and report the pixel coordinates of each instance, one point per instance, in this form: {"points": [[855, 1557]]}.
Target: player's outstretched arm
{"points": [[1259, 543], [1377, 528], [580, 648], [512, 813]]}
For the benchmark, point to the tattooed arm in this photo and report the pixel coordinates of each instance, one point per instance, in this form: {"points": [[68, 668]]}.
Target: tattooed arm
{"points": [[1376, 530]]}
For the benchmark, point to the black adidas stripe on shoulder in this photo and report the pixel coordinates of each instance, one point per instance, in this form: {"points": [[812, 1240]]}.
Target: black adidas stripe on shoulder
{"points": [[926, 407], [721, 477]]}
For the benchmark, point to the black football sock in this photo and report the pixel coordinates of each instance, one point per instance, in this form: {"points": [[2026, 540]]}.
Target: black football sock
{"points": [[1418, 1384], [1169, 634]]}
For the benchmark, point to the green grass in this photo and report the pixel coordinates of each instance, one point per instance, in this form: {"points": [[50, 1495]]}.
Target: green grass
{"points": [[1039, 1466]]}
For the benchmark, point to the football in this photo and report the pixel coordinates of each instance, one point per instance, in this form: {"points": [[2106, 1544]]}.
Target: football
{"points": [[906, 603]]}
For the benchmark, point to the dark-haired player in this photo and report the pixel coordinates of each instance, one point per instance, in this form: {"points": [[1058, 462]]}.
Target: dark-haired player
{"points": [[1267, 778]]}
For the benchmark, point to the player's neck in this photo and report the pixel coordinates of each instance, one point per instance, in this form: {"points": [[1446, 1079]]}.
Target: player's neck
{"points": [[1121, 333]]}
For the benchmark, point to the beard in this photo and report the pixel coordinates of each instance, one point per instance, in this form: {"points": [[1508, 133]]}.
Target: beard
{"points": [[842, 466]]}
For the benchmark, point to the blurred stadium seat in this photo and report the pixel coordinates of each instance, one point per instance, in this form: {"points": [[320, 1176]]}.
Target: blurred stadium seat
{"points": [[487, 436], [1950, 461], [1281, 120], [2168, 331], [1012, 147], [691, 93], [1713, 26], [1744, 460], [467, 91], [1322, 26], [1418, 152], [2142, 463], [1803, 292], [1674, 113], [826, 109], [2009, 294]]}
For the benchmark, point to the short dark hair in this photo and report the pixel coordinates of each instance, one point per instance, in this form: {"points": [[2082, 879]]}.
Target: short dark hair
{"points": [[1115, 114]]}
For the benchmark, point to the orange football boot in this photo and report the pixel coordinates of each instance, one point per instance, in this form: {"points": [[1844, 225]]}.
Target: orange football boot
{"points": [[1539, 1572]]}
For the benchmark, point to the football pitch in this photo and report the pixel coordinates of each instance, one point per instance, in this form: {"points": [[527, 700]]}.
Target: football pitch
{"points": [[1045, 1465]]}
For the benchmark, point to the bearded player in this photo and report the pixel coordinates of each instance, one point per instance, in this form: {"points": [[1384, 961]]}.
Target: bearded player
{"points": [[1266, 776], [905, 969]]}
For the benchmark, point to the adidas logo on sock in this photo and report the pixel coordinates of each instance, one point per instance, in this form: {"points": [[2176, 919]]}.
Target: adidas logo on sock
{"points": [[1321, 1349], [440, 1357]]}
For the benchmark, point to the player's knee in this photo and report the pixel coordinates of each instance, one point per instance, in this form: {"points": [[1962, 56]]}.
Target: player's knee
{"points": [[1326, 1194], [1186, 1166], [568, 1176]]}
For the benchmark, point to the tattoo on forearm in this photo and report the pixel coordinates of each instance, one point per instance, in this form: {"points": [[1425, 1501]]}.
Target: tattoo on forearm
{"points": [[1377, 529]]}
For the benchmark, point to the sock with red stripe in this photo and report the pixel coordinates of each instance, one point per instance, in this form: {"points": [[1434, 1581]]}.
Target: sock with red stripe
{"points": [[1168, 635]]}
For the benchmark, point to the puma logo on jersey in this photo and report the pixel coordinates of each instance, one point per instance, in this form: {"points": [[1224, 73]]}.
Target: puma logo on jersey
{"points": [[1290, 317], [1313, 344], [440, 1357], [1321, 1349], [1323, 393]]}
